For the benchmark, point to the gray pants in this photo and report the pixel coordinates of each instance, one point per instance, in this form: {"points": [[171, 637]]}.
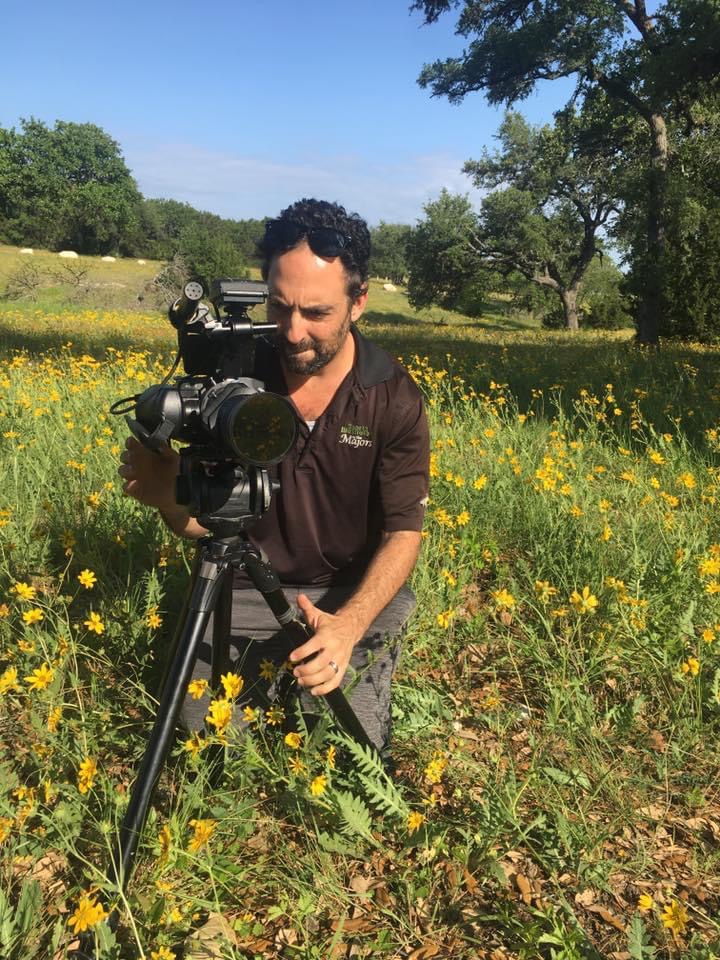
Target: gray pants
{"points": [[256, 637]]}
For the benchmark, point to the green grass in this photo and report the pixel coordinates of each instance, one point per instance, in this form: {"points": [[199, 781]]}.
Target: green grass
{"points": [[560, 744]]}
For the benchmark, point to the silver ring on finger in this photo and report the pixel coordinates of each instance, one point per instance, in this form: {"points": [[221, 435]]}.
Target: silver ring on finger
{"points": [[335, 667]]}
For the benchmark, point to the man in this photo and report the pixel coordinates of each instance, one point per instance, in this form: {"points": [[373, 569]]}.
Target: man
{"points": [[344, 530]]}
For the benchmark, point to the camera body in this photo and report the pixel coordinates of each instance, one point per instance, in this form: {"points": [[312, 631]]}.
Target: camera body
{"points": [[234, 429]]}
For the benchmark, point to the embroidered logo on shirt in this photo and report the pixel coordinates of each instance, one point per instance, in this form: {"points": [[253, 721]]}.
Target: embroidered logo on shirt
{"points": [[355, 435]]}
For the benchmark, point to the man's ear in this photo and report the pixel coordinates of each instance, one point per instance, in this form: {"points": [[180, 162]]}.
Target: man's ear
{"points": [[359, 305]]}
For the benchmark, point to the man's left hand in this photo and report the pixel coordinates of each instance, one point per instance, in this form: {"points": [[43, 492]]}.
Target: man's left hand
{"points": [[332, 645]]}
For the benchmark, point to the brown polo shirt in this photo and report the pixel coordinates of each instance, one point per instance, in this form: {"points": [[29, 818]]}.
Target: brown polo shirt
{"points": [[362, 470]]}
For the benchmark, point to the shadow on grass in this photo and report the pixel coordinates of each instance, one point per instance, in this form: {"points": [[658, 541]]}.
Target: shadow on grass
{"points": [[504, 321], [677, 387], [44, 340]]}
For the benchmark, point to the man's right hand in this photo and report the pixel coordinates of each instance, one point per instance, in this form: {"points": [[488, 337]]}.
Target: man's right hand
{"points": [[150, 477]]}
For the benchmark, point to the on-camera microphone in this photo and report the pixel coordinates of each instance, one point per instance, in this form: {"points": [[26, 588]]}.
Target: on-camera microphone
{"points": [[185, 307]]}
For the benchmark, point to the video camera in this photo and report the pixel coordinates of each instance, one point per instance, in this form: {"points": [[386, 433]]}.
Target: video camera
{"points": [[234, 428]]}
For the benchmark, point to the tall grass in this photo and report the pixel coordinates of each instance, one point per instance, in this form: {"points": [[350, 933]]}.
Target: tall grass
{"points": [[556, 712]]}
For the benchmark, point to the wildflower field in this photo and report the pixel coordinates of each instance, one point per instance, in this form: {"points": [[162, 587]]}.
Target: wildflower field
{"points": [[556, 711]]}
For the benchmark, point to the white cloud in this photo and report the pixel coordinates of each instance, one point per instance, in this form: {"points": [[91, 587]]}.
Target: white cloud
{"points": [[240, 187]]}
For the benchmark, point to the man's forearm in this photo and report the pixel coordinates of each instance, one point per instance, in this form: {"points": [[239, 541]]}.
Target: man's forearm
{"points": [[391, 565], [181, 523]]}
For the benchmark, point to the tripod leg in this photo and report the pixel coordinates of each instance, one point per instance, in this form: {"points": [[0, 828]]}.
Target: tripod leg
{"points": [[204, 588], [204, 592], [220, 661]]}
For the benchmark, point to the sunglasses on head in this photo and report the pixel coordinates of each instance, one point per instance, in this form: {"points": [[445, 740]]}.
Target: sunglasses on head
{"points": [[324, 241]]}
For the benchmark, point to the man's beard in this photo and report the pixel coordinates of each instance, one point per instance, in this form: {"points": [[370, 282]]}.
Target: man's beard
{"points": [[323, 353]]}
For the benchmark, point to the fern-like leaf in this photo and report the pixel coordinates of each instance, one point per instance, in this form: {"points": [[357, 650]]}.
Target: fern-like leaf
{"points": [[355, 816]]}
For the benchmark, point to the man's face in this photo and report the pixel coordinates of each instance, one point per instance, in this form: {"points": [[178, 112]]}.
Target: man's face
{"points": [[308, 301]]}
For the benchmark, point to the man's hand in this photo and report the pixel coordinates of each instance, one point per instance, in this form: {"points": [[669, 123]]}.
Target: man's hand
{"points": [[149, 477], [332, 643]]}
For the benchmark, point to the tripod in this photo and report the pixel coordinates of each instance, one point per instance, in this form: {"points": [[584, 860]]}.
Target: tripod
{"points": [[210, 592]]}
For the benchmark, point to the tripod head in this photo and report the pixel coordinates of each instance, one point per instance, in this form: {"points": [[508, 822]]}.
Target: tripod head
{"points": [[234, 429]]}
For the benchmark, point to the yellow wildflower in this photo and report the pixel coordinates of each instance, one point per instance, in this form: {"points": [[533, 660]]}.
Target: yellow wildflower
{"points": [[34, 615], [197, 688], [41, 678], [675, 917], [162, 954], [203, 831], [709, 567], [435, 769], [687, 480], [9, 681], [691, 666], [414, 821], [87, 579], [232, 685], [87, 914], [86, 775], [445, 619], [318, 785], [293, 740], [584, 602], [53, 721], [165, 841], [503, 599], [194, 744], [296, 765], [543, 590], [645, 903], [24, 591], [95, 624], [219, 714]]}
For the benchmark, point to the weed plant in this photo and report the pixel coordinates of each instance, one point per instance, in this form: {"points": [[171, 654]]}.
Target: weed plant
{"points": [[556, 711]]}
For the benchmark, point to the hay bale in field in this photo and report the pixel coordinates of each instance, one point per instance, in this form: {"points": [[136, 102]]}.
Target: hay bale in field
{"points": [[69, 254], [27, 250], [108, 259], [390, 287]]}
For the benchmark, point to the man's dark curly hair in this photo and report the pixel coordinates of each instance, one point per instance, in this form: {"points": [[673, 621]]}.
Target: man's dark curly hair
{"points": [[310, 213]]}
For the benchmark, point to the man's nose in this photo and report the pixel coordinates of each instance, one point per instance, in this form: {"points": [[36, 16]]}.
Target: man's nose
{"points": [[294, 327]]}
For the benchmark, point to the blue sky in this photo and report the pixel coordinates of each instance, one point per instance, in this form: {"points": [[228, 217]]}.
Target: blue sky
{"points": [[241, 108]]}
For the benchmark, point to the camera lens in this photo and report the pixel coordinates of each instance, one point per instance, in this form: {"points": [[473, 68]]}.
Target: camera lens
{"points": [[260, 428]]}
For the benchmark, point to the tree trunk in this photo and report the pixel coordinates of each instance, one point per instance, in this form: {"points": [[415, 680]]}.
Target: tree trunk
{"points": [[651, 302], [569, 302]]}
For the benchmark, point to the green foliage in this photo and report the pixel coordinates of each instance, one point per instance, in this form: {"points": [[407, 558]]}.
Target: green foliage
{"points": [[652, 66], [208, 255], [603, 304], [442, 264], [169, 227], [388, 256], [692, 260], [66, 187]]}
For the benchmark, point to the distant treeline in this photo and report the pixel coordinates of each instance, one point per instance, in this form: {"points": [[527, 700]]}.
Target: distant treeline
{"points": [[68, 187]]}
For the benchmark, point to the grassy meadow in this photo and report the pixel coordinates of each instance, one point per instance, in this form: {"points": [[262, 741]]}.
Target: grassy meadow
{"points": [[556, 711]]}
